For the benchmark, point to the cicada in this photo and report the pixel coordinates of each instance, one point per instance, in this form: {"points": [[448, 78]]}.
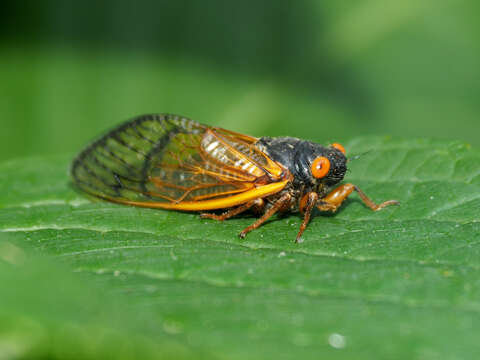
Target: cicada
{"points": [[171, 162]]}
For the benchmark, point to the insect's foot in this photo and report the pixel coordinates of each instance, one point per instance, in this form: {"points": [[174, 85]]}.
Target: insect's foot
{"points": [[387, 203], [298, 240]]}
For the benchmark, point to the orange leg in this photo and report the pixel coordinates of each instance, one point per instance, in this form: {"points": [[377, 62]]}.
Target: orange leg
{"points": [[278, 205], [306, 206], [335, 198], [232, 212]]}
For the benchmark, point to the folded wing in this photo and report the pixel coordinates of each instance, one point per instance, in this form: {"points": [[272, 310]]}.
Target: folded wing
{"points": [[172, 162]]}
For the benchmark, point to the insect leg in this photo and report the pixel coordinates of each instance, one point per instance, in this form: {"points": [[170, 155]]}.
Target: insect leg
{"points": [[280, 203], [258, 207], [308, 202], [335, 198], [232, 212]]}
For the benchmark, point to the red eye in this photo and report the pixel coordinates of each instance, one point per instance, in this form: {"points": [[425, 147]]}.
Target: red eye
{"points": [[320, 167], [339, 147]]}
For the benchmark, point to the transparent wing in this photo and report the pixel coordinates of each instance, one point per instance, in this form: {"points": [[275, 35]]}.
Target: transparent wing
{"points": [[170, 161]]}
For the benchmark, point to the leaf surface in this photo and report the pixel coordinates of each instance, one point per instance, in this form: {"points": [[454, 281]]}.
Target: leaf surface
{"points": [[400, 283]]}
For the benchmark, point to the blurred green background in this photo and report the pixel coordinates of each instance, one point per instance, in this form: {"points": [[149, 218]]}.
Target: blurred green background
{"points": [[323, 70]]}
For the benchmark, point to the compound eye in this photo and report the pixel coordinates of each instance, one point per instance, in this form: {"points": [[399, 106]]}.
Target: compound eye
{"points": [[339, 147], [320, 167]]}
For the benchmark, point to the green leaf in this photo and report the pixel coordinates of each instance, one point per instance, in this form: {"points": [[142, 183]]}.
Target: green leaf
{"points": [[400, 283], [47, 312]]}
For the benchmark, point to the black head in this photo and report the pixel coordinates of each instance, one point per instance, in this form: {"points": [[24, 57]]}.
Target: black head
{"points": [[316, 164]]}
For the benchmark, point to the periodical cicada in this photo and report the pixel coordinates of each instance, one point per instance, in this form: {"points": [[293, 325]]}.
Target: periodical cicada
{"points": [[171, 162]]}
